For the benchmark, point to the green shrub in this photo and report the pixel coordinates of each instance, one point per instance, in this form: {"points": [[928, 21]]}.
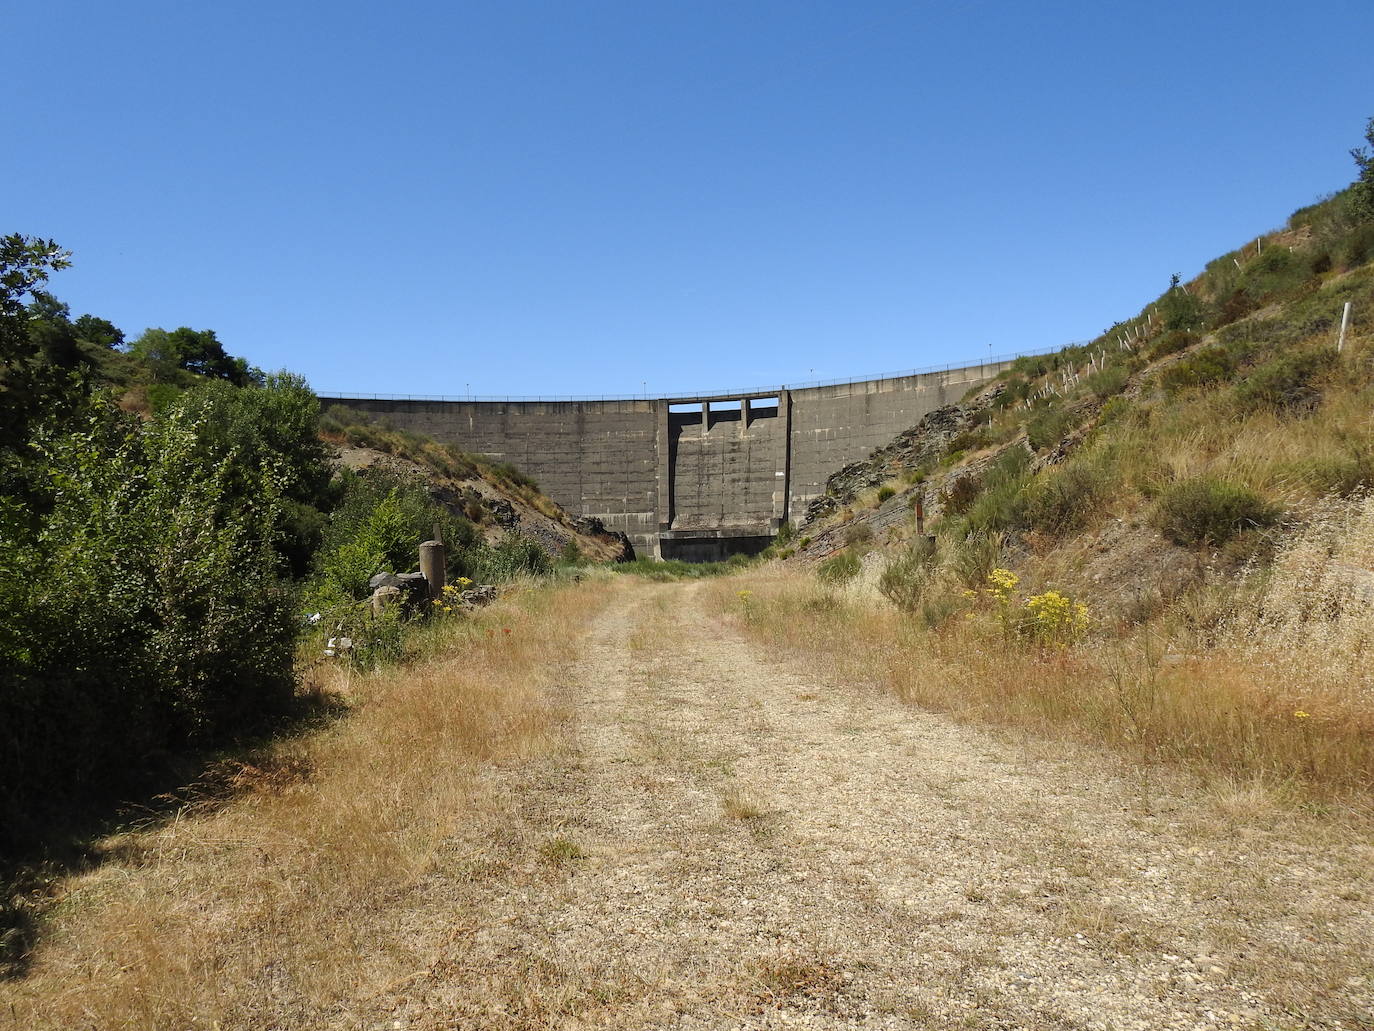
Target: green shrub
{"points": [[973, 557], [1206, 367], [1204, 510], [1180, 309], [1016, 389], [1286, 382], [839, 568], [885, 492], [1275, 272], [146, 614], [1172, 343], [1344, 473], [514, 556], [1067, 498], [1109, 381], [969, 440], [1114, 409], [378, 525], [1001, 504], [908, 577], [1047, 427], [1358, 247]]}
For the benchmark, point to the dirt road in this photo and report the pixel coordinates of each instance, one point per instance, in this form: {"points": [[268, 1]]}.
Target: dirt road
{"points": [[724, 841]]}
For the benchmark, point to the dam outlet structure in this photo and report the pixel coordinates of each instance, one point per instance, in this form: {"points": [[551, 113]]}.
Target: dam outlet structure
{"points": [[693, 477]]}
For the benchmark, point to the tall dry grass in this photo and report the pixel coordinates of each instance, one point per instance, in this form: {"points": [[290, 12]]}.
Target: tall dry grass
{"points": [[1229, 713], [280, 907], [1312, 620]]}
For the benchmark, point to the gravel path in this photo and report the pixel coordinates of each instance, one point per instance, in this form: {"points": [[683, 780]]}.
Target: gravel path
{"points": [[724, 842]]}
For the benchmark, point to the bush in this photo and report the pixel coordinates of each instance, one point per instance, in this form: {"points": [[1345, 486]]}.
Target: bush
{"points": [[969, 440], [1358, 247], [962, 492], [378, 525], [858, 533], [1067, 498], [1172, 343], [1286, 382], [1003, 501], [1208, 366], [1203, 510], [1180, 309], [973, 557], [1048, 426], [1109, 381], [907, 578], [1277, 271], [839, 568], [885, 492], [147, 614], [514, 556]]}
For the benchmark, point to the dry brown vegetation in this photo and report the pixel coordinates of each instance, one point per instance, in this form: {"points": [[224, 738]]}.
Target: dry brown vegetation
{"points": [[627, 813], [287, 905], [1262, 684]]}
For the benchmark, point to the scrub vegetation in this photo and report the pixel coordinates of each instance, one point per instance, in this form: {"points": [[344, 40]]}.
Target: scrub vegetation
{"points": [[169, 517], [1160, 540]]}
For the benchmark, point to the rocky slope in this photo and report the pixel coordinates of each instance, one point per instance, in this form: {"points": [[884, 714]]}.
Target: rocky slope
{"points": [[499, 509]]}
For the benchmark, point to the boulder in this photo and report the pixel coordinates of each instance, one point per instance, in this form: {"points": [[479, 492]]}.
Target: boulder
{"points": [[483, 594], [384, 597]]}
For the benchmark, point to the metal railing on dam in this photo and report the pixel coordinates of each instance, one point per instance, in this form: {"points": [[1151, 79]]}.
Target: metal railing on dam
{"points": [[708, 395]]}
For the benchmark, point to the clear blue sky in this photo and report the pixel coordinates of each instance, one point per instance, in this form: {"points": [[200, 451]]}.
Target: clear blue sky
{"points": [[582, 197]]}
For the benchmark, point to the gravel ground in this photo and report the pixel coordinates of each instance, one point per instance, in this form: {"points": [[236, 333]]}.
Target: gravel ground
{"points": [[722, 841]]}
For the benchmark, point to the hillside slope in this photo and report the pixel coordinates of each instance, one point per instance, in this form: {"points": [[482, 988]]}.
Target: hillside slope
{"points": [[499, 499], [1180, 445]]}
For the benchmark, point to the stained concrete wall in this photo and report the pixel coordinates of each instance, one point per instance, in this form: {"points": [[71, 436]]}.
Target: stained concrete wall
{"points": [[729, 470], [835, 425], [647, 470]]}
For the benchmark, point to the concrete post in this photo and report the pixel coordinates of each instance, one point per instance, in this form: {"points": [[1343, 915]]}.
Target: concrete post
{"points": [[705, 417], [1345, 325], [743, 416], [433, 566]]}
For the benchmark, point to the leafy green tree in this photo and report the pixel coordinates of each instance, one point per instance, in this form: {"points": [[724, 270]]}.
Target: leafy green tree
{"points": [[276, 424], [146, 612], [170, 354], [1364, 185], [31, 391]]}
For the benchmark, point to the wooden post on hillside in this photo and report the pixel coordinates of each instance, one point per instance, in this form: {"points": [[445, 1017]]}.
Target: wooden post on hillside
{"points": [[920, 515], [1345, 325]]}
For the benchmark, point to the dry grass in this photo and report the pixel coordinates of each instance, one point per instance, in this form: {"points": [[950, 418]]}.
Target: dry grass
{"points": [[292, 889], [1229, 713], [739, 804]]}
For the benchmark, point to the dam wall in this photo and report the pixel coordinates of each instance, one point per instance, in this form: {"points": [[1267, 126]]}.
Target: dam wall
{"points": [[686, 476]]}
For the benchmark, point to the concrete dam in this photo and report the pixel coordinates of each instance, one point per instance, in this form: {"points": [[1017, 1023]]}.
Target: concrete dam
{"points": [[691, 477]]}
